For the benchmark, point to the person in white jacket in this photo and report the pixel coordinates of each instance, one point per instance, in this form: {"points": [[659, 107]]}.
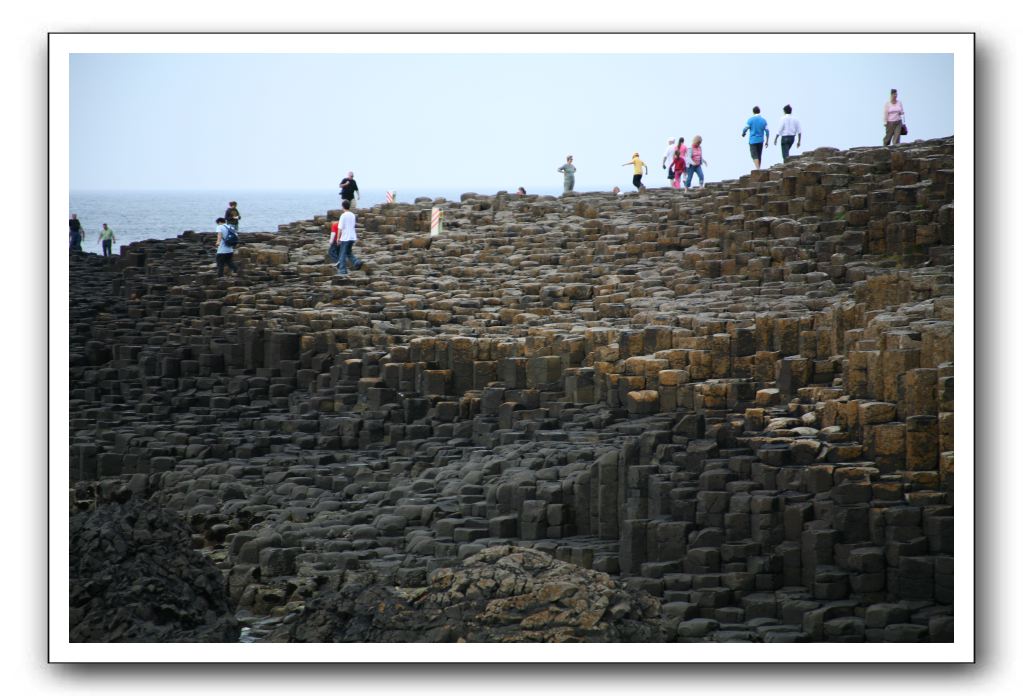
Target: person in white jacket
{"points": [[788, 131]]}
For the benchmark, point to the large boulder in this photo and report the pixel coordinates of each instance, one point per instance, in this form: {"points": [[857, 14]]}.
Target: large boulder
{"points": [[134, 577], [501, 594]]}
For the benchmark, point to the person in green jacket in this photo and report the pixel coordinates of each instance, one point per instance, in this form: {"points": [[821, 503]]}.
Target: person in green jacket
{"points": [[568, 169], [107, 239]]}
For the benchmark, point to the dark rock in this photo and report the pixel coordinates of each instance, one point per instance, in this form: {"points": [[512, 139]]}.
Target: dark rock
{"points": [[135, 578]]}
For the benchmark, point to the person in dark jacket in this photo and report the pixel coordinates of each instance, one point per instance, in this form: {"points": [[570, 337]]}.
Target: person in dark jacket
{"points": [[231, 215], [349, 190], [75, 234]]}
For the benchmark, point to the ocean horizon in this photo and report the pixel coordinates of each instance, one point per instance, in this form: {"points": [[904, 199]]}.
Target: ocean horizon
{"points": [[138, 215]]}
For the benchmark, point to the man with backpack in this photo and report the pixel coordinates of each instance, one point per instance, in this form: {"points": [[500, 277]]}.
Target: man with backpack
{"points": [[227, 240]]}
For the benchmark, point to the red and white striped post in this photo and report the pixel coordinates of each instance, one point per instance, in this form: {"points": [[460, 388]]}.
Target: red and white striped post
{"points": [[436, 222], [390, 196]]}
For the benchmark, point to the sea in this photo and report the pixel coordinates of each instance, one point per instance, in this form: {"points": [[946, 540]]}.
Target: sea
{"points": [[138, 215]]}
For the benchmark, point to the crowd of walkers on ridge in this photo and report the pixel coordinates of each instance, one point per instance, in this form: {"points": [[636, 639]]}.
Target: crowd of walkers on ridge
{"points": [[682, 162]]}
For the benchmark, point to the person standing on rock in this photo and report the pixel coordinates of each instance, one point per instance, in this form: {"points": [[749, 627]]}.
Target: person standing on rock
{"points": [[225, 252], [349, 190], [231, 215], [669, 158], [347, 237], [788, 131], [759, 136], [568, 169], [894, 117], [334, 245], [695, 161], [75, 233], [678, 163], [107, 239], [639, 168]]}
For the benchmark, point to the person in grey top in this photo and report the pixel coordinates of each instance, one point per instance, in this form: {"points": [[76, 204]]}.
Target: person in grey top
{"points": [[568, 169]]}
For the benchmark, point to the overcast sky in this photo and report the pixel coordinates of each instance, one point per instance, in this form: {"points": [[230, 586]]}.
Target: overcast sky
{"points": [[468, 122]]}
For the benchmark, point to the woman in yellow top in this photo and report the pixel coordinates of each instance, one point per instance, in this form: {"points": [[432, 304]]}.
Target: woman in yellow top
{"points": [[638, 170]]}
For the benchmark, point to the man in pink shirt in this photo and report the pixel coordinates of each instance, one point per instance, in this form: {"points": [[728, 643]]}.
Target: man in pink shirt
{"points": [[893, 119]]}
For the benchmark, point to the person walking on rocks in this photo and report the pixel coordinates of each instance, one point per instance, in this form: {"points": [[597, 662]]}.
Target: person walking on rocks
{"points": [[759, 136], [639, 168], [349, 190], [334, 246], [232, 215], [667, 162], [107, 239], [678, 163], [789, 131], [75, 233], [225, 251], [894, 118], [347, 237], [695, 161], [568, 169]]}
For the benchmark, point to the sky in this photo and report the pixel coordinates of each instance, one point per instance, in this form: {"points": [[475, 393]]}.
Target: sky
{"points": [[468, 122]]}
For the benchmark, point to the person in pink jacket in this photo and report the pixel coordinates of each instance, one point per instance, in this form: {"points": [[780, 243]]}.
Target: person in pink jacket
{"points": [[679, 163], [894, 118], [695, 161]]}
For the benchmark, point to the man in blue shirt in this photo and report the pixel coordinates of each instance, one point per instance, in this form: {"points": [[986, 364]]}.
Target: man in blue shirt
{"points": [[758, 135]]}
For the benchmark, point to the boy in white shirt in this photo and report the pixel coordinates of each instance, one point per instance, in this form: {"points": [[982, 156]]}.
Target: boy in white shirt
{"points": [[788, 131], [347, 237]]}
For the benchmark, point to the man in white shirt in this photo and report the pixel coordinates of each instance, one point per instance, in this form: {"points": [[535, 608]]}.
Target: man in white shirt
{"points": [[347, 237], [668, 157], [788, 131]]}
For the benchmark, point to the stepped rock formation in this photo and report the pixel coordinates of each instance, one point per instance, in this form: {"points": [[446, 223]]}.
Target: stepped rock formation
{"points": [[737, 400]]}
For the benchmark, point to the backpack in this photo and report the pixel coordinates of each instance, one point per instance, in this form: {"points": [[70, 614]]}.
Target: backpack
{"points": [[230, 236]]}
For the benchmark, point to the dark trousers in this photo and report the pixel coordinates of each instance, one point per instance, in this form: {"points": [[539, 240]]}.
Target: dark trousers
{"points": [[786, 145], [108, 246], [225, 260]]}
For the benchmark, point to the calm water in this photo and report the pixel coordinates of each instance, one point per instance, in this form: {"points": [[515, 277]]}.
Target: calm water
{"points": [[138, 215]]}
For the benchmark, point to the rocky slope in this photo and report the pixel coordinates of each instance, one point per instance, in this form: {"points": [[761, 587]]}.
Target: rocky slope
{"points": [[738, 400]]}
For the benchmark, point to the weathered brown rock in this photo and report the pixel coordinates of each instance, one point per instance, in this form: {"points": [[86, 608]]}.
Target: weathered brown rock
{"points": [[714, 395], [501, 594]]}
